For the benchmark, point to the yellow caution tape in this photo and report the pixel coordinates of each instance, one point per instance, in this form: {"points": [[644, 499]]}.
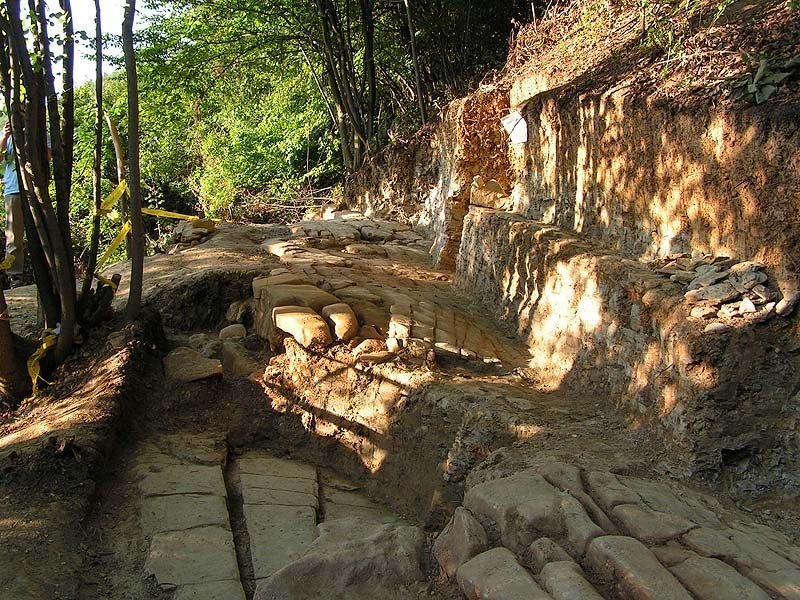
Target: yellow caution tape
{"points": [[8, 262], [114, 245], [106, 281], [113, 197], [156, 212], [49, 339]]}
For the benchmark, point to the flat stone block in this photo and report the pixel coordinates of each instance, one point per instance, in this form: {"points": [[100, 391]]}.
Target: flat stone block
{"points": [[200, 555], [174, 513], [524, 506], [649, 526], [276, 467], [280, 497], [278, 535], [186, 365], [634, 570], [712, 579], [496, 575], [565, 581], [268, 482], [169, 479], [217, 590]]}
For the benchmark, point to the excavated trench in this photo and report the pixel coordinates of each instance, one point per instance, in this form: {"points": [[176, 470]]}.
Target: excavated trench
{"points": [[420, 467]]}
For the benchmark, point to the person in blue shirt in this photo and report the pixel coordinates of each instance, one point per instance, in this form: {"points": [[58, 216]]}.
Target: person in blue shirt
{"points": [[15, 229]]}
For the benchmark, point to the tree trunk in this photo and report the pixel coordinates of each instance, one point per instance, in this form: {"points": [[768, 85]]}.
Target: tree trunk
{"points": [[98, 155], [415, 59], [134, 182], [31, 146], [13, 383]]}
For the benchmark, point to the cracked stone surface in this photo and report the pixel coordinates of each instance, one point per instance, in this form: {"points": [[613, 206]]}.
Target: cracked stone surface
{"points": [[659, 540]]}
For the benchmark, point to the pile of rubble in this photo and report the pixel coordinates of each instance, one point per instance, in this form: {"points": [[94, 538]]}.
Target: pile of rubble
{"points": [[190, 233], [725, 288]]}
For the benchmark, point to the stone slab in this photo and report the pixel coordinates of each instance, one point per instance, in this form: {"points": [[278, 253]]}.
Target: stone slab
{"points": [[169, 479], [280, 497], [174, 513], [278, 535], [200, 555], [251, 482], [650, 526], [712, 579], [276, 467], [186, 365], [565, 581], [524, 507], [496, 575], [633, 569], [217, 590]]}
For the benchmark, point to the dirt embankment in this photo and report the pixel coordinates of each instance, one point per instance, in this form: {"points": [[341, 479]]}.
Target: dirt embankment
{"points": [[52, 451]]}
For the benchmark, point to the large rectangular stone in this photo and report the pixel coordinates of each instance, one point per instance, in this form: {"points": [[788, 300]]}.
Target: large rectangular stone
{"points": [[250, 482], [168, 479], [174, 513], [200, 555], [496, 575], [633, 569], [276, 467], [712, 579], [279, 535], [230, 589]]}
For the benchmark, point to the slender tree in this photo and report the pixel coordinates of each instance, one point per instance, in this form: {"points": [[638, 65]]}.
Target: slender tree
{"points": [[134, 177], [98, 156], [30, 132]]}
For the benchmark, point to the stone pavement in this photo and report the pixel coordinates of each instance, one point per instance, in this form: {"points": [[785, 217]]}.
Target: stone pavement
{"points": [[560, 532], [184, 513]]}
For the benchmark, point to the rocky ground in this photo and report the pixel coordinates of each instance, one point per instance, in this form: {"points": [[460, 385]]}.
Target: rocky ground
{"points": [[335, 420]]}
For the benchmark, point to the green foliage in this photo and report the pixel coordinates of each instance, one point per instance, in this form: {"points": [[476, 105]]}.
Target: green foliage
{"points": [[666, 24], [761, 85]]}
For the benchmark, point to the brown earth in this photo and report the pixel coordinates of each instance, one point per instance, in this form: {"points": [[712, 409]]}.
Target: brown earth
{"points": [[70, 500]]}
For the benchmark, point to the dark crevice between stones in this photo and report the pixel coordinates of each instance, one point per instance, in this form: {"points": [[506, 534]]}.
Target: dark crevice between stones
{"points": [[241, 537]]}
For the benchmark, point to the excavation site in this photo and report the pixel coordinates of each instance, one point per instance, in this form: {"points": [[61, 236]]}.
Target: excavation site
{"points": [[544, 347]]}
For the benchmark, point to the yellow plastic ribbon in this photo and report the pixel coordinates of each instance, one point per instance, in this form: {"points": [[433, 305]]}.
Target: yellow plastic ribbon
{"points": [[49, 339], [114, 245], [113, 197], [106, 281], [157, 212]]}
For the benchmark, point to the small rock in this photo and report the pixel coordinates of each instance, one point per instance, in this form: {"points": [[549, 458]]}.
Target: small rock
{"points": [[786, 306], [748, 266], [746, 306], [232, 332], [706, 278], [368, 346], [763, 292], [376, 358], [715, 328], [703, 312], [185, 365], [368, 332], [544, 551], [728, 311], [712, 294]]}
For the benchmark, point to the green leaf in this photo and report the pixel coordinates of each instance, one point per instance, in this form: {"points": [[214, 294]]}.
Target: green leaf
{"points": [[762, 67], [774, 78]]}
